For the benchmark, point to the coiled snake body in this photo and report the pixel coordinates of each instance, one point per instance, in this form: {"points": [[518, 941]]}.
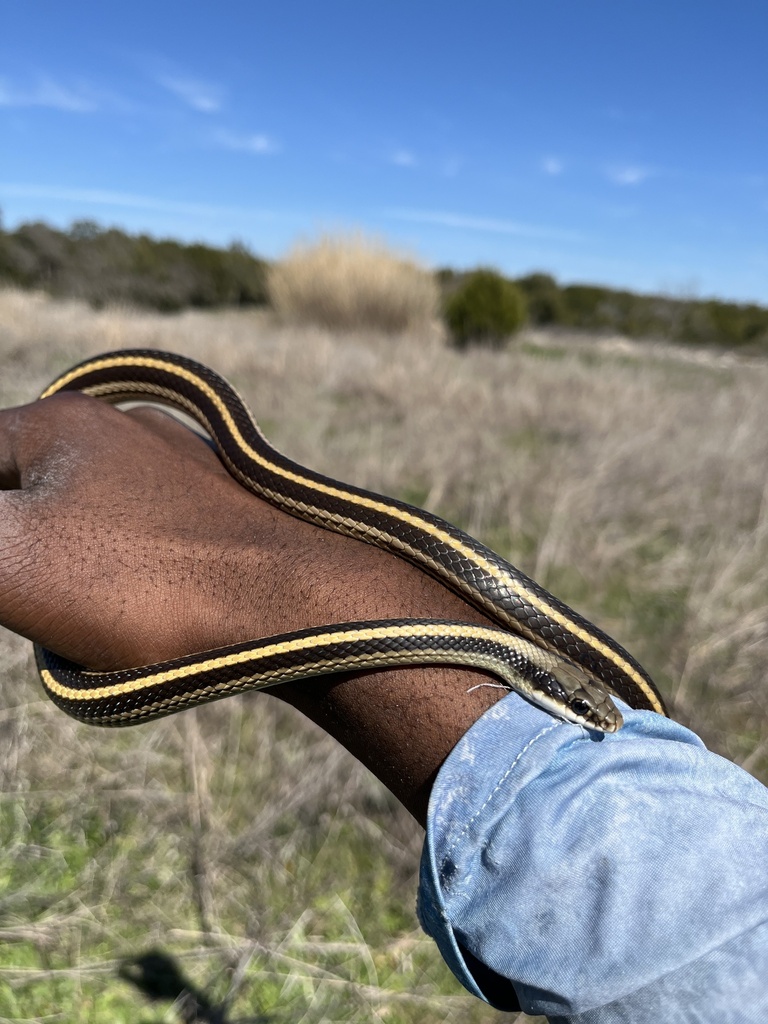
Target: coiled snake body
{"points": [[541, 648]]}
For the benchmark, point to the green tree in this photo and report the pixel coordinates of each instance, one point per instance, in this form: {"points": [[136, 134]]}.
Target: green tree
{"points": [[485, 309]]}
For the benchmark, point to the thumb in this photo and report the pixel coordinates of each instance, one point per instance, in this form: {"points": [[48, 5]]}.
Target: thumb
{"points": [[28, 441]]}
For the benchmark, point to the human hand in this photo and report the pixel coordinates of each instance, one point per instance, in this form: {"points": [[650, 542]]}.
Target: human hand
{"points": [[123, 541]]}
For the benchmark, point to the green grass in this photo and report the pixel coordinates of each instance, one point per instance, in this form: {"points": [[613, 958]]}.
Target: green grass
{"points": [[88, 894]]}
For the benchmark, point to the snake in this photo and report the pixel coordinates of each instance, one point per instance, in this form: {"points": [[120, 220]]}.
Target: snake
{"points": [[536, 646]]}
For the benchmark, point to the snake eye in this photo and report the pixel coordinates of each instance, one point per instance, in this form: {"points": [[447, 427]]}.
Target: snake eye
{"points": [[579, 706]]}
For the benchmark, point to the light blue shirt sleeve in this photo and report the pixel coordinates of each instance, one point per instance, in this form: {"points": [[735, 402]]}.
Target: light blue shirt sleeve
{"points": [[598, 879]]}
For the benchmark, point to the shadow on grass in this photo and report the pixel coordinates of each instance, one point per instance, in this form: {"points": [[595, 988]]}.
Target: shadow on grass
{"points": [[159, 978]]}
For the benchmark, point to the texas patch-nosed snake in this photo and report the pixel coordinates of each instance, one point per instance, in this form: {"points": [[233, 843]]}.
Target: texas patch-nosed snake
{"points": [[540, 647]]}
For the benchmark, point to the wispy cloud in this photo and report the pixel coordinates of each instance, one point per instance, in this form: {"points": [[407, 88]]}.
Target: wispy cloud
{"points": [[627, 174], [492, 225], [205, 97], [126, 200], [257, 143], [48, 93], [447, 167], [551, 165], [403, 158]]}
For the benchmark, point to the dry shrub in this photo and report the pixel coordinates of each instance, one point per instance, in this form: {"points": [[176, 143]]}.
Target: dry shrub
{"points": [[351, 283]]}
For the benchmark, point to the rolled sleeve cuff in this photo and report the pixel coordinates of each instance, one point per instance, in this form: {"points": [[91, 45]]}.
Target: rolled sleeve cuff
{"points": [[566, 871]]}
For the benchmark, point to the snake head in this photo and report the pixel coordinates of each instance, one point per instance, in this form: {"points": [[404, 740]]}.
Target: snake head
{"points": [[567, 691], [589, 705]]}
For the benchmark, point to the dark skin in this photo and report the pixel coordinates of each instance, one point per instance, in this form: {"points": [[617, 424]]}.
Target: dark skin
{"points": [[124, 541]]}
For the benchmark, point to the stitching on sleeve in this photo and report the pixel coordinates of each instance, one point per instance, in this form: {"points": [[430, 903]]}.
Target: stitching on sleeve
{"points": [[497, 787]]}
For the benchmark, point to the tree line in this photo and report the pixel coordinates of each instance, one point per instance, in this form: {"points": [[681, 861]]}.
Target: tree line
{"points": [[105, 265]]}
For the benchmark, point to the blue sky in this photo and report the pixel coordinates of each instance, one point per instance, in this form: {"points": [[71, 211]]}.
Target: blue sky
{"points": [[610, 141]]}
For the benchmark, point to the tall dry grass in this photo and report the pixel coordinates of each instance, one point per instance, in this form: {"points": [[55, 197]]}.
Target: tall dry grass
{"points": [[630, 481], [350, 284]]}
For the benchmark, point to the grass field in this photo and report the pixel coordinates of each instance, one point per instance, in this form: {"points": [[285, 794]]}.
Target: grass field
{"points": [[240, 844]]}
